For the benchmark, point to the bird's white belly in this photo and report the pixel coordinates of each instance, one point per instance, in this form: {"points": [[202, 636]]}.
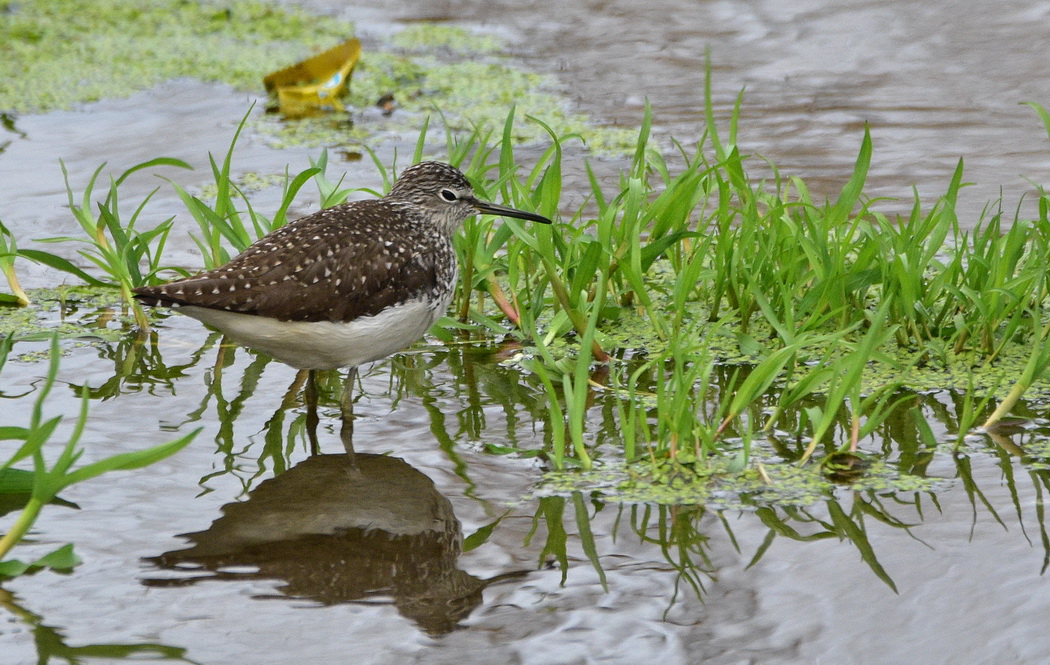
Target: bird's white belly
{"points": [[326, 344]]}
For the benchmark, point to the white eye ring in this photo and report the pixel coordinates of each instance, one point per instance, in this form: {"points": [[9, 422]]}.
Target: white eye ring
{"points": [[448, 195]]}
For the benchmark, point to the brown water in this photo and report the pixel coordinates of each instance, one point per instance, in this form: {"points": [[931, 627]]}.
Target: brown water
{"points": [[290, 574]]}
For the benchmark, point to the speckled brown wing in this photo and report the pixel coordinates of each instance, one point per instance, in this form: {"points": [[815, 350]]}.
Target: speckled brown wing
{"points": [[334, 265]]}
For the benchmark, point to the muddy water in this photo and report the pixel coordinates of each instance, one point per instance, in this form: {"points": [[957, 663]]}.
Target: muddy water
{"points": [[280, 568]]}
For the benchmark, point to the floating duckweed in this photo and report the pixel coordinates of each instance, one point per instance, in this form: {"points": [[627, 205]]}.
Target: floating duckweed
{"points": [[62, 52], [247, 182], [65, 52], [1037, 453], [428, 36], [713, 484], [468, 94], [78, 312]]}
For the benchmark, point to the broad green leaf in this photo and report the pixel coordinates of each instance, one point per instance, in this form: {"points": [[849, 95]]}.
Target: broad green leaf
{"points": [[62, 560], [11, 432], [16, 481], [481, 536]]}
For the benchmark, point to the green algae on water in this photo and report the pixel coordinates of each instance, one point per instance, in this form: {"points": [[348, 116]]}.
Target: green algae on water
{"points": [[246, 182], [465, 94], [75, 312], [714, 484], [58, 53], [426, 37], [429, 66]]}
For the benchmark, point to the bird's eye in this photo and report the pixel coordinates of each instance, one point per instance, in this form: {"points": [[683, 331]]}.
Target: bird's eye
{"points": [[448, 195]]}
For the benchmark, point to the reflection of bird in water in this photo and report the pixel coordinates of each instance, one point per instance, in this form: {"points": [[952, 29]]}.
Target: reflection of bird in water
{"points": [[343, 286], [335, 532]]}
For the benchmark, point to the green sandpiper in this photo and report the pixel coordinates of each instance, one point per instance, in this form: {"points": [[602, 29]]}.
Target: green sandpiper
{"points": [[343, 286]]}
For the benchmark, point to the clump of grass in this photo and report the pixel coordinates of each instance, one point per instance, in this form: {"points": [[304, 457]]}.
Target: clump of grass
{"points": [[830, 300], [128, 257], [222, 225], [862, 291]]}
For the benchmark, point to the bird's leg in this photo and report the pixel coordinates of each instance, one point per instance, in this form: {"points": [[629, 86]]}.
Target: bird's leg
{"points": [[346, 411], [311, 411]]}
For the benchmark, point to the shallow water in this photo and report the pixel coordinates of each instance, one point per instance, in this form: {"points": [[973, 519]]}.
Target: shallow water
{"points": [[671, 583], [325, 561]]}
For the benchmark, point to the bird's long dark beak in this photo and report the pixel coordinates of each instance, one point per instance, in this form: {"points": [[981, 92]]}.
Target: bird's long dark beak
{"points": [[493, 209]]}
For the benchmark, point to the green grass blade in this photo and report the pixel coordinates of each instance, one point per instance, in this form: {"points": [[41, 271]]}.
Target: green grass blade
{"points": [[129, 461], [59, 263]]}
